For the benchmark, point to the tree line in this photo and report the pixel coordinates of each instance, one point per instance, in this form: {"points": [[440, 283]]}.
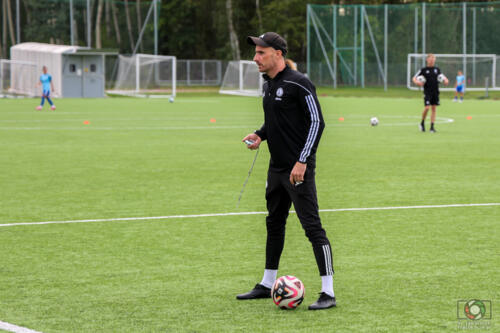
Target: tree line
{"points": [[189, 29]]}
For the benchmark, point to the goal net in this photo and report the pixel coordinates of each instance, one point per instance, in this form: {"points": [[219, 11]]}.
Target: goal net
{"points": [[144, 75], [242, 78], [17, 78], [479, 70]]}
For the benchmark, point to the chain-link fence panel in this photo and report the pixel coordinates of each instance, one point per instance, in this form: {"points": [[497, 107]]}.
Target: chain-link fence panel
{"points": [[359, 45]]}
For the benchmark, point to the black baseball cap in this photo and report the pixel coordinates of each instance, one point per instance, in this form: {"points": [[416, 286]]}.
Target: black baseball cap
{"points": [[269, 39]]}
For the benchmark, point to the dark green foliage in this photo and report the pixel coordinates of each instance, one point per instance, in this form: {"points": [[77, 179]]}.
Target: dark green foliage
{"points": [[198, 29]]}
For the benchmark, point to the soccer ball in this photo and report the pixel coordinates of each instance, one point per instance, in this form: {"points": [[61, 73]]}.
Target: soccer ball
{"points": [[288, 292], [374, 121], [441, 77], [421, 78], [171, 99]]}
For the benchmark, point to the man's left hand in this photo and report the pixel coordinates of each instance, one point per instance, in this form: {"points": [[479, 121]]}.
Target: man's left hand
{"points": [[298, 172]]}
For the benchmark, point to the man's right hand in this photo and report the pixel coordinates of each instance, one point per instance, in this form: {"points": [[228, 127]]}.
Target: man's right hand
{"points": [[418, 83], [255, 138]]}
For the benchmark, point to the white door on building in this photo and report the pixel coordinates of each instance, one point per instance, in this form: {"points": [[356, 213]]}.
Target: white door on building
{"points": [[93, 76], [72, 84]]}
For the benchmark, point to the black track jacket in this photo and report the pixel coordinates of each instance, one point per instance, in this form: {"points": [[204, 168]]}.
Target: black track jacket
{"points": [[293, 122]]}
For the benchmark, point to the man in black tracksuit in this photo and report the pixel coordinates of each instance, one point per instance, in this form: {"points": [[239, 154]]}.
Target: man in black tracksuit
{"points": [[293, 126]]}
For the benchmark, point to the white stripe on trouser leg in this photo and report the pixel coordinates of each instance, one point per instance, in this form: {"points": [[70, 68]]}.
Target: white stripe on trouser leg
{"points": [[324, 257], [329, 256], [328, 260], [326, 254]]}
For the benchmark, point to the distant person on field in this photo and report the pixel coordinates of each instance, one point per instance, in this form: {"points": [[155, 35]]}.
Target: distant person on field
{"points": [[459, 87], [431, 89], [47, 86]]}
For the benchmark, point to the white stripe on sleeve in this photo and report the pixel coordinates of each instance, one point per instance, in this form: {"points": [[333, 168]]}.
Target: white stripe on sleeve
{"points": [[313, 129]]}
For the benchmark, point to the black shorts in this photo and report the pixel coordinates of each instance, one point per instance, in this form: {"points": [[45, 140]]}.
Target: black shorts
{"points": [[431, 99]]}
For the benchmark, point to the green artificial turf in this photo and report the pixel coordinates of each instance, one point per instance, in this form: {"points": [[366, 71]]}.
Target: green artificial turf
{"points": [[397, 270]]}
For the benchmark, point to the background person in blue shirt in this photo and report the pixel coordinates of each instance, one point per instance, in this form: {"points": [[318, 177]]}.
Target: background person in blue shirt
{"points": [[47, 86], [459, 87]]}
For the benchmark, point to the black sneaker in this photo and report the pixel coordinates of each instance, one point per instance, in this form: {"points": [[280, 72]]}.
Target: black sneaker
{"points": [[259, 291], [324, 301], [433, 130], [421, 127]]}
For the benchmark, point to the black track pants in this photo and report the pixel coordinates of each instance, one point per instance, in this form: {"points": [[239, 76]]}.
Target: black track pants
{"points": [[280, 194]]}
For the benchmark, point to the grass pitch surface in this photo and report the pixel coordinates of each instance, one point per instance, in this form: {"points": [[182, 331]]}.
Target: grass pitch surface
{"points": [[396, 270]]}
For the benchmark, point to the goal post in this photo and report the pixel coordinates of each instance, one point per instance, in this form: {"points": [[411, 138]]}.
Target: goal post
{"points": [[480, 70], [242, 78], [18, 78], [145, 75]]}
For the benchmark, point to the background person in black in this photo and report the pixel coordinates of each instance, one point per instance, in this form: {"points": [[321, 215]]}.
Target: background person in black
{"points": [[293, 126], [431, 89]]}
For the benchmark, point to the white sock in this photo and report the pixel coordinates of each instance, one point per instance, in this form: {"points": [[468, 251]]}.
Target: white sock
{"points": [[269, 277], [327, 285]]}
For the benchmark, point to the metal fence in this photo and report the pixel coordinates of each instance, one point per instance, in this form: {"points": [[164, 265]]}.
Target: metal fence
{"points": [[361, 45], [189, 72], [195, 72]]}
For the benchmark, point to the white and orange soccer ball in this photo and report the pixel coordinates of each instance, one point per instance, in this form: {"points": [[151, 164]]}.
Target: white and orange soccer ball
{"points": [[288, 292]]}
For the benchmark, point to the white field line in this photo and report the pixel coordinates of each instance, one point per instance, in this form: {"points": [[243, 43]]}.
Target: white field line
{"points": [[107, 128], [14, 328], [146, 128], [439, 120], [243, 213]]}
